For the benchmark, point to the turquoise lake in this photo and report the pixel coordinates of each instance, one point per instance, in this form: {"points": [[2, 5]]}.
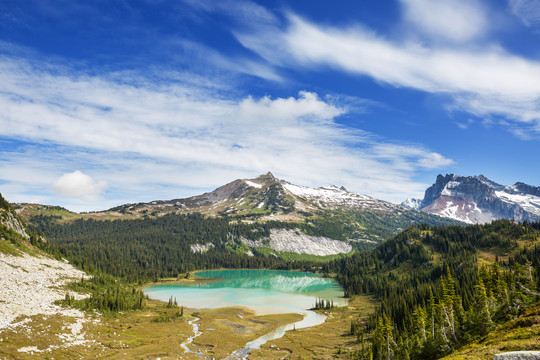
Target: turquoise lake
{"points": [[263, 291]]}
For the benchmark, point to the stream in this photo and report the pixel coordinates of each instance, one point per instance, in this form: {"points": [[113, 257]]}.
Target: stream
{"points": [[310, 319], [196, 333]]}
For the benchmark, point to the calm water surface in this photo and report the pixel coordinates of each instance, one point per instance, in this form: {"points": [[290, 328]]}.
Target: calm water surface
{"points": [[263, 291]]}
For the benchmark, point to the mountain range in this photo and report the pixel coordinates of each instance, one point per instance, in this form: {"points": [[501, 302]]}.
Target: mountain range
{"points": [[297, 219], [265, 195], [320, 221], [477, 199]]}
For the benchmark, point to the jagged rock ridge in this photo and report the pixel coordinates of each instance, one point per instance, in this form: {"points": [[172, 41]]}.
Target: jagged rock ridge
{"points": [[477, 199]]}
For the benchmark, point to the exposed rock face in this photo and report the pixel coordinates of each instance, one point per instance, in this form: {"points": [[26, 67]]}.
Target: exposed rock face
{"points": [[518, 355], [233, 190], [201, 248], [476, 199], [298, 242], [12, 223]]}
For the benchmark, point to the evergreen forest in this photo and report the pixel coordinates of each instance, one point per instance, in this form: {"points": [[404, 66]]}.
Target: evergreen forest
{"points": [[437, 288]]}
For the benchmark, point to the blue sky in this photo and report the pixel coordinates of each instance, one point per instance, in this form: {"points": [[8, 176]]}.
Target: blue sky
{"points": [[109, 102]]}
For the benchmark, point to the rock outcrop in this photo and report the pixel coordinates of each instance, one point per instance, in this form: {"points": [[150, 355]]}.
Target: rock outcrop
{"points": [[518, 355], [300, 243]]}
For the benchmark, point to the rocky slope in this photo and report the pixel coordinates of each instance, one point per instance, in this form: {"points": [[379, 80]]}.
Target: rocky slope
{"points": [[300, 243], [30, 281], [476, 199]]}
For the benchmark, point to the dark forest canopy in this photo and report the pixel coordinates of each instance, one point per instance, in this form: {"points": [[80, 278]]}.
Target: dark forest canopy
{"points": [[153, 248]]}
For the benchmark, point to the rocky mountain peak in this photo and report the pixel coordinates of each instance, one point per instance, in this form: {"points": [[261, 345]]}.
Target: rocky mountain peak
{"points": [[477, 199], [268, 177]]}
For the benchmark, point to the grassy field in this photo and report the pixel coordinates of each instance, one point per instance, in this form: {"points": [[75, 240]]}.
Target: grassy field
{"points": [[136, 335], [323, 341], [158, 332]]}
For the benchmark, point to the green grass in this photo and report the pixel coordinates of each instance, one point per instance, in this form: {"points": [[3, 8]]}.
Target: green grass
{"points": [[237, 248], [8, 248]]}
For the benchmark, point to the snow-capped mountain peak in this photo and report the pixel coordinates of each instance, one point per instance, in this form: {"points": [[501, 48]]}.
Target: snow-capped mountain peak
{"points": [[412, 203], [336, 197], [477, 199]]}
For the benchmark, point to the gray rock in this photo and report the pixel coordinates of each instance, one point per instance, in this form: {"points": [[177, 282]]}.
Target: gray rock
{"points": [[476, 199], [518, 355]]}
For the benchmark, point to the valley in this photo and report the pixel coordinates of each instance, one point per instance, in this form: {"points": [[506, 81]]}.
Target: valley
{"points": [[104, 312]]}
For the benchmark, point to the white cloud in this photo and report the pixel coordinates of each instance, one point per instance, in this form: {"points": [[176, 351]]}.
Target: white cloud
{"points": [[487, 81], [147, 140], [78, 184], [454, 20], [528, 11]]}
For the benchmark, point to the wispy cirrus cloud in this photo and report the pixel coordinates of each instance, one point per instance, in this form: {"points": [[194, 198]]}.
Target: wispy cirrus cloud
{"points": [[528, 11], [135, 135], [484, 80], [454, 20]]}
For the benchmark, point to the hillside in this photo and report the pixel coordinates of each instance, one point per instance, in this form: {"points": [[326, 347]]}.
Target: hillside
{"points": [[477, 199], [421, 265], [519, 334], [31, 281], [437, 281]]}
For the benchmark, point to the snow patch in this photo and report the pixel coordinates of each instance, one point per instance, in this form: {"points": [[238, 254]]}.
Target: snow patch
{"points": [[529, 203], [412, 203], [449, 186], [334, 197], [253, 184]]}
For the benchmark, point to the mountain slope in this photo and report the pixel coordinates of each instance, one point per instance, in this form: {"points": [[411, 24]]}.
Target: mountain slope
{"points": [[264, 195], [443, 287], [476, 199], [249, 214]]}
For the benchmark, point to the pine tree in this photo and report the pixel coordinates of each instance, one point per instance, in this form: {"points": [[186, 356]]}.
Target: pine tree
{"points": [[480, 312]]}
